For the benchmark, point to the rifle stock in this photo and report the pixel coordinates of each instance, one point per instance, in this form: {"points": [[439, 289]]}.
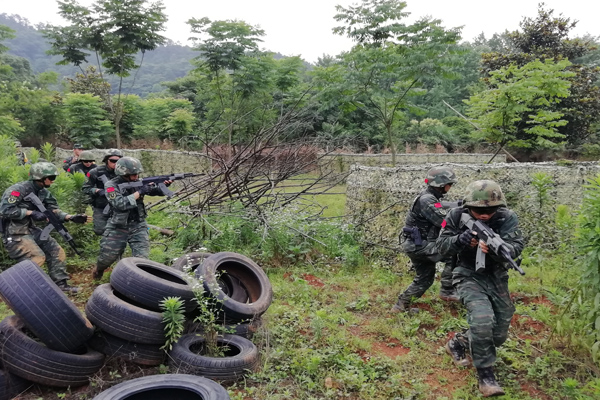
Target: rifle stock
{"points": [[493, 241], [53, 223]]}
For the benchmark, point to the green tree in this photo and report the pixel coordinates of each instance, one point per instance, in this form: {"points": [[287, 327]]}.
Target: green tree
{"points": [[86, 120], [239, 77], [392, 60], [518, 109], [546, 37], [115, 31]]}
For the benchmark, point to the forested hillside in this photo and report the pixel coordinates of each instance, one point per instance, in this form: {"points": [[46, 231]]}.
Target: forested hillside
{"points": [[166, 63]]}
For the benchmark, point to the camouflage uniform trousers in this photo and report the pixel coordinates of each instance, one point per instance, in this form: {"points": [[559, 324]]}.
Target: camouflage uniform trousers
{"points": [[30, 247], [424, 261], [114, 240], [100, 220], [489, 312]]}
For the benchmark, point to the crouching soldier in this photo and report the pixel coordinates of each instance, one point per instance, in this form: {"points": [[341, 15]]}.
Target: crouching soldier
{"points": [[483, 290], [127, 223], [421, 229], [21, 236]]}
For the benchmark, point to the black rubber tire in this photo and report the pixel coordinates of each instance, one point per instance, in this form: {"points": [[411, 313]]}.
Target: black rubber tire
{"points": [[31, 360], [190, 261], [44, 308], [147, 282], [120, 317], [240, 359], [11, 385], [251, 276], [138, 353], [234, 288], [243, 329], [166, 387]]}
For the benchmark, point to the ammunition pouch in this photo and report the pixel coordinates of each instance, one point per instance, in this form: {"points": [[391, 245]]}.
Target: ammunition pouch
{"points": [[414, 234]]}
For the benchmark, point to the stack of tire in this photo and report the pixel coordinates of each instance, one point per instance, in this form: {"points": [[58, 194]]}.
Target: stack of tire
{"points": [[244, 293], [127, 310], [45, 341]]}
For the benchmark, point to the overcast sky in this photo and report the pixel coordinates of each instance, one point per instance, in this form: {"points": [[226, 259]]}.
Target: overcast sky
{"points": [[304, 27]]}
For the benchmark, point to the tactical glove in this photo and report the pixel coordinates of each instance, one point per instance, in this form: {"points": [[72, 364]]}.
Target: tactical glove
{"points": [[100, 193], [38, 216], [79, 218], [465, 238], [144, 190]]}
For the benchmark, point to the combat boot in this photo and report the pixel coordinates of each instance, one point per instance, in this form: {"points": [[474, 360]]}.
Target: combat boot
{"points": [[449, 294], [66, 288], [487, 383], [403, 306], [458, 351], [97, 275]]}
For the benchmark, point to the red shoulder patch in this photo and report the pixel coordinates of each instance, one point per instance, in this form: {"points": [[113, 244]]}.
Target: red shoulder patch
{"points": [[88, 174], [64, 161], [68, 169], [426, 180], [438, 205], [110, 189], [443, 223], [15, 193]]}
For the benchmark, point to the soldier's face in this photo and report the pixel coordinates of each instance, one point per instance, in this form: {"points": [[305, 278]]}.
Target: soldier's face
{"points": [[483, 214], [48, 181], [132, 177], [77, 152], [447, 187]]}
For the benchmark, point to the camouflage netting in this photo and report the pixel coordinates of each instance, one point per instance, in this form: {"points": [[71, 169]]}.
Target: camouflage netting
{"points": [[377, 198], [342, 162], [155, 162]]}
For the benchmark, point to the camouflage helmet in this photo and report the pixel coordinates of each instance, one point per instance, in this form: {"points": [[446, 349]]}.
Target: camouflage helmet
{"points": [[128, 166], [87, 155], [78, 146], [40, 170], [440, 177], [112, 152], [484, 193]]}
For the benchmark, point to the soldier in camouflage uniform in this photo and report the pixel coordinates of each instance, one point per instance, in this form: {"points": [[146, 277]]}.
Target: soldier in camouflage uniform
{"points": [[94, 188], [484, 292], [77, 150], [127, 223], [425, 219], [20, 235], [21, 157], [84, 165]]}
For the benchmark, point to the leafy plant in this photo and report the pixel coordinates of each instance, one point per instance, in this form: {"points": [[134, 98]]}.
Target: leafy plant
{"points": [[174, 319]]}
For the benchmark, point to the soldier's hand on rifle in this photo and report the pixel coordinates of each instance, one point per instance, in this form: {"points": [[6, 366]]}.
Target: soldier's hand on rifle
{"points": [[79, 218], [168, 183], [144, 190], [468, 238], [484, 247], [38, 216], [100, 192]]}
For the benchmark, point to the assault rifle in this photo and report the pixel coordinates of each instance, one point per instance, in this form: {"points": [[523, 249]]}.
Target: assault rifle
{"points": [[493, 241], [159, 181], [153, 180], [451, 204], [53, 223]]}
